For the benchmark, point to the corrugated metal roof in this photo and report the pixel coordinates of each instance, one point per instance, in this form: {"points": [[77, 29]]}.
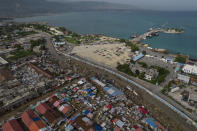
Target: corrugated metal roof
{"points": [[66, 109], [50, 117], [43, 107], [36, 126], [113, 90], [27, 117], [12, 125], [151, 122], [138, 57]]}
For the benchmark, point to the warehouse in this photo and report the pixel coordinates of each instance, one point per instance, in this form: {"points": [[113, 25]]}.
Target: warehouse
{"points": [[32, 121], [191, 69], [183, 78], [138, 57], [12, 125]]}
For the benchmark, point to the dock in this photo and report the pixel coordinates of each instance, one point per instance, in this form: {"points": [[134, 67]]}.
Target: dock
{"points": [[147, 34]]}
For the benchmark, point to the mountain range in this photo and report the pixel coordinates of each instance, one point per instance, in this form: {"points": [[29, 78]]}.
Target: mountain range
{"points": [[21, 8]]}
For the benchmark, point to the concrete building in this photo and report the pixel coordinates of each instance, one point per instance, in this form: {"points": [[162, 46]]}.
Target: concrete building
{"points": [[191, 69], [194, 81], [183, 78], [59, 43], [2, 61], [150, 73], [55, 31]]}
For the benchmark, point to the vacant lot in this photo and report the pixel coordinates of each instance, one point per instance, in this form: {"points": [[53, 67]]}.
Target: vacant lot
{"points": [[107, 54]]}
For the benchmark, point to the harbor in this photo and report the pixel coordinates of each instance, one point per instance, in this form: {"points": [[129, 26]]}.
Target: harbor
{"points": [[150, 33]]}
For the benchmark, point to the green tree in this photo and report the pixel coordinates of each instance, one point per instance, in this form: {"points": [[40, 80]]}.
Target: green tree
{"points": [[144, 52], [137, 72], [122, 40], [180, 58]]}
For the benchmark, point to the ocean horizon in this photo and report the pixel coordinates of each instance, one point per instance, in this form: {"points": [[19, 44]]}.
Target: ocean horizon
{"points": [[123, 24]]}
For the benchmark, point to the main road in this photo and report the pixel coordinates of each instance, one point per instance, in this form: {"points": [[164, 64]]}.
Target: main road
{"points": [[154, 93]]}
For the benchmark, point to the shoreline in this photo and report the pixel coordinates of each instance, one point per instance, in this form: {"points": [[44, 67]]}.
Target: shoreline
{"points": [[166, 32]]}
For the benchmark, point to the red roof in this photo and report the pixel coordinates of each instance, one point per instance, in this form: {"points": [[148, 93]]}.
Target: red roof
{"points": [[36, 126], [53, 99], [160, 126], [43, 107], [142, 110], [139, 129], [66, 109], [108, 106], [12, 125], [28, 117], [136, 126], [117, 128], [115, 120], [68, 78]]}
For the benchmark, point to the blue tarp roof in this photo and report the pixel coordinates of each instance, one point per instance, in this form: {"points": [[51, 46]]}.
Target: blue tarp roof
{"points": [[75, 117], [86, 112], [138, 57], [92, 78], [151, 122], [91, 94], [98, 127], [169, 59], [36, 119], [110, 89], [180, 64], [69, 128], [88, 90]]}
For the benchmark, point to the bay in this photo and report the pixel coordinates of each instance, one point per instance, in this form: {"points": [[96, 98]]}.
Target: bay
{"points": [[123, 24]]}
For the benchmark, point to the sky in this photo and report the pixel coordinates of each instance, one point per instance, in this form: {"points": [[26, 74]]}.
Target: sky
{"points": [[168, 5]]}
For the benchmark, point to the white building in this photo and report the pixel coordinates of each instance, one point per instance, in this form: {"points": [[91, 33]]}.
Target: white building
{"points": [[183, 78], [59, 43], [2, 61], [55, 31], [191, 69]]}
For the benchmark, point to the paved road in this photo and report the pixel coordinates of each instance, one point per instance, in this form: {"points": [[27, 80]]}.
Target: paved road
{"points": [[150, 89]]}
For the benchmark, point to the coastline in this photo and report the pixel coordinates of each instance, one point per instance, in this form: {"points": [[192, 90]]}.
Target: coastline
{"points": [[165, 43]]}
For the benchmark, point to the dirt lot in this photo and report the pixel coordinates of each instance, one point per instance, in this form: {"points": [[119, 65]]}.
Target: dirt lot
{"points": [[107, 54]]}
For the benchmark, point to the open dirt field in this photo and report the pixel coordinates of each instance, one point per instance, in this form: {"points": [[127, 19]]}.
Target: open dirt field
{"points": [[107, 54]]}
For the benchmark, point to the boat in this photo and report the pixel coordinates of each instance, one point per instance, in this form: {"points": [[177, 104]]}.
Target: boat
{"points": [[150, 29], [155, 34], [134, 36]]}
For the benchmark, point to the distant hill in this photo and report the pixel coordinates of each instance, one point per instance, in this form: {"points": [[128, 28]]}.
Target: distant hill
{"points": [[20, 8]]}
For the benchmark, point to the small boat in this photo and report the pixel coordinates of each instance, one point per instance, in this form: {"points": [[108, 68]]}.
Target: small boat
{"points": [[155, 34], [149, 36], [150, 29], [134, 36]]}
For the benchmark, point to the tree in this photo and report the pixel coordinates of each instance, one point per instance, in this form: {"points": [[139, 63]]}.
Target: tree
{"points": [[144, 52], [166, 52], [134, 48], [131, 61], [122, 40], [181, 59], [124, 68], [142, 75], [137, 72]]}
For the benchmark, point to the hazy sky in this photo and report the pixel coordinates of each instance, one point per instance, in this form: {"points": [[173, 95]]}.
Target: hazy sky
{"points": [[154, 4]]}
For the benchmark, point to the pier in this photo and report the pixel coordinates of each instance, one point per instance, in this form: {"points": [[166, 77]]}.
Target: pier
{"points": [[147, 34]]}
